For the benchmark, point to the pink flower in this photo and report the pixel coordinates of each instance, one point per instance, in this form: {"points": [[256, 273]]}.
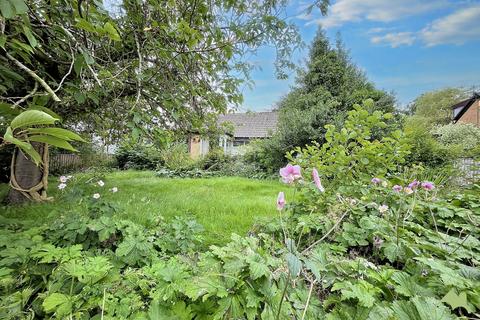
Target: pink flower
{"points": [[427, 185], [290, 173], [376, 180], [397, 188], [413, 184], [63, 179], [317, 180], [280, 201]]}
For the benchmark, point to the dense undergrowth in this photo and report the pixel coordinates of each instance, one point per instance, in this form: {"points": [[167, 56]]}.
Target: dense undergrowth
{"points": [[356, 248]]}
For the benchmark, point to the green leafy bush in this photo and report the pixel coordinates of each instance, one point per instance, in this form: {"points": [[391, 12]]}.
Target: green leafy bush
{"points": [[216, 163], [138, 156], [175, 156], [357, 248], [352, 153], [465, 136], [428, 151]]}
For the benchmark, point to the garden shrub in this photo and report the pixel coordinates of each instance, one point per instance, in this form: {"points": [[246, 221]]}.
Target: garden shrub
{"points": [[426, 150], [215, 160], [465, 136], [138, 156], [216, 163], [346, 245], [86, 161], [351, 153], [176, 157]]}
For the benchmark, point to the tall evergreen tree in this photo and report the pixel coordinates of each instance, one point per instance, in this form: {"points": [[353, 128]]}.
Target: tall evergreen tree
{"points": [[325, 90]]}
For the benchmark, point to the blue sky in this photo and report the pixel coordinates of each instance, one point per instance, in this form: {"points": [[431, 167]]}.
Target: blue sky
{"points": [[405, 46]]}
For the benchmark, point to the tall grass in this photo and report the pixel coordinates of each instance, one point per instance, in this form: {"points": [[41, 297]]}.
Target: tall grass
{"points": [[223, 205]]}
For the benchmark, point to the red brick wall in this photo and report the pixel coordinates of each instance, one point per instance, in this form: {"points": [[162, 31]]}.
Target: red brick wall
{"points": [[472, 115]]}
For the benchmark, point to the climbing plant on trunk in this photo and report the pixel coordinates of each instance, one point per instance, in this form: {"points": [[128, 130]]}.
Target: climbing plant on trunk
{"points": [[32, 132]]}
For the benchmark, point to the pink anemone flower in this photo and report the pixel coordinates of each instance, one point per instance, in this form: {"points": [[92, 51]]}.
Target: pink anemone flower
{"points": [[281, 201], [317, 180], [290, 173], [427, 185]]}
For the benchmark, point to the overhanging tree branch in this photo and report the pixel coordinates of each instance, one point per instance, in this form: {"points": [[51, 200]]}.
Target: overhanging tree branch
{"points": [[33, 75]]}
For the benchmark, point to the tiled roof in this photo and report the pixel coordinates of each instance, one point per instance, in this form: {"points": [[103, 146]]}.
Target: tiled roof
{"points": [[252, 125], [463, 106]]}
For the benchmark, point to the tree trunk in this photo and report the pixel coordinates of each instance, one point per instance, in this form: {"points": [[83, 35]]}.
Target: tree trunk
{"points": [[28, 181]]}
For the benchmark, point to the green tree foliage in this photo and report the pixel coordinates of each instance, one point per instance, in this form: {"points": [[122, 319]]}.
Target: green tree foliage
{"points": [[434, 107], [465, 136], [173, 62], [428, 114], [350, 154], [325, 90], [148, 66]]}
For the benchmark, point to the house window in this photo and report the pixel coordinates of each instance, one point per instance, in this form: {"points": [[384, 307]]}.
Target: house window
{"points": [[240, 142], [456, 111]]}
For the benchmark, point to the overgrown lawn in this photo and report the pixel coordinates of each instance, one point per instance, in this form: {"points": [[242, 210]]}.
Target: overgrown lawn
{"points": [[223, 205]]}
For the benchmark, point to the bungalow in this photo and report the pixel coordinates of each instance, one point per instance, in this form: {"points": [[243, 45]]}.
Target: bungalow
{"points": [[246, 127], [467, 111]]}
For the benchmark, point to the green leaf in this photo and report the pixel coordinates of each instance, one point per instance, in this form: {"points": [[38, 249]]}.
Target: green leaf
{"points": [[408, 285], [80, 97], [88, 58], [31, 38], [363, 291], [7, 9], [30, 118], [58, 132], [7, 110], [10, 74], [58, 303], [25, 146], [85, 25], [20, 6], [111, 31], [3, 40], [431, 309], [54, 141], [404, 310], [46, 110], [78, 64], [258, 269], [294, 264], [456, 300]]}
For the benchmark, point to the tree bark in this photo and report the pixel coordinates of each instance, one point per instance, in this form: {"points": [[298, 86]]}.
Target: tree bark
{"points": [[27, 175]]}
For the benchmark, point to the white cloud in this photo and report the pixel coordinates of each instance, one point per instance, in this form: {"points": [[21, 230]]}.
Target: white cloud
{"points": [[344, 11], [377, 30], [456, 28], [395, 39]]}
